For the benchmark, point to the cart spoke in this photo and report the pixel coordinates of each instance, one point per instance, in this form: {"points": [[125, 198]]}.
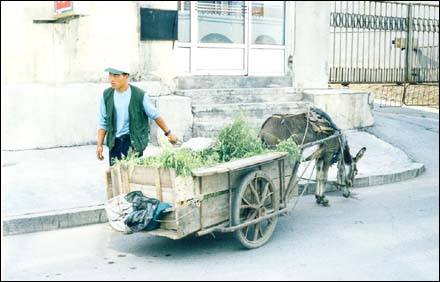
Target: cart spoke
{"points": [[269, 211], [256, 230], [247, 231], [264, 196], [260, 230], [254, 190], [256, 183], [253, 214], [257, 199], [248, 206], [267, 197], [246, 201], [248, 216]]}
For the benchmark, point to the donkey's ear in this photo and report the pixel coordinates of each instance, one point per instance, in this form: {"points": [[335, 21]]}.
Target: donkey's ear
{"points": [[360, 154]]}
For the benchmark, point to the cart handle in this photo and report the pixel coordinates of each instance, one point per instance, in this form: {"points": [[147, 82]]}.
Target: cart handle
{"points": [[310, 144]]}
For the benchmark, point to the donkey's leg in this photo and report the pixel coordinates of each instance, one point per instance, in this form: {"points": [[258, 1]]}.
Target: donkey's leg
{"points": [[318, 193], [323, 183]]}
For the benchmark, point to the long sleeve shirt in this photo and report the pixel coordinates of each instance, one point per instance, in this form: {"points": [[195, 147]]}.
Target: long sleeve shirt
{"points": [[121, 102]]}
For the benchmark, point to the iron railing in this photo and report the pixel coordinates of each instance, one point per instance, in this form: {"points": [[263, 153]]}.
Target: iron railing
{"points": [[384, 42]]}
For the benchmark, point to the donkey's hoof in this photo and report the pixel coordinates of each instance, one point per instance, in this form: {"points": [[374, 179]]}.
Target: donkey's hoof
{"points": [[346, 192], [325, 202], [318, 199]]}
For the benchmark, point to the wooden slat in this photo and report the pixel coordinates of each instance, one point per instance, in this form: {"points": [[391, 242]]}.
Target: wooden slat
{"points": [[147, 190], [168, 221], [125, 181], [183, 219], [239, 164], [165, 176], [215, 210], [108, 184], [165, 233], [150, 191], [158, 185], [173, 176], [184, 189], [116, 180], [168, 196], [219, 181], [188, 219], [143, 175]]}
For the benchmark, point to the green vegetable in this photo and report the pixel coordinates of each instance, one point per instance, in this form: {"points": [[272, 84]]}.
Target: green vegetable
{"points": [[235, 141], [288, 146]]}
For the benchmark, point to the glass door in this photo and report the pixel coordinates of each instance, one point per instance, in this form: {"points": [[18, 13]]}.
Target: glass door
{"points": [[221, 37], [267, 51], [231, 37]]}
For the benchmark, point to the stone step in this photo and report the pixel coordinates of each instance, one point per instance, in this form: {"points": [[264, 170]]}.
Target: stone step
{"points": [[211, 129], [231, 81], [210, 119], [241, 95], [251, 110]]}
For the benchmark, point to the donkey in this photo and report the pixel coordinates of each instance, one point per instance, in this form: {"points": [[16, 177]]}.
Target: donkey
{"points": [[313, 126]]}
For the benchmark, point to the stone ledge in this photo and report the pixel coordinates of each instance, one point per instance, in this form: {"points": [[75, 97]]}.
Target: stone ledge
{"points": [[53, 220], [348, 108]]}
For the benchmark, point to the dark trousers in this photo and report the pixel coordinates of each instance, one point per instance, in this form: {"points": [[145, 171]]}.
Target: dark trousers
{"points": [[122, 144]]}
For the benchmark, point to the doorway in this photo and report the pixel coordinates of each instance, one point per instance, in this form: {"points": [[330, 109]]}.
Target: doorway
{"points": [[232, 37]]}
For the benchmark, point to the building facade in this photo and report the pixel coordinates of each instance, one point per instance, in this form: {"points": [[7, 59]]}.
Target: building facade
{"points": [[52, 68]]}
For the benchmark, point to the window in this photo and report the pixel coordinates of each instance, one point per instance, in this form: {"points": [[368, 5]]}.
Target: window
{"points": [[221, 21], [184, 14], [268, 22]]}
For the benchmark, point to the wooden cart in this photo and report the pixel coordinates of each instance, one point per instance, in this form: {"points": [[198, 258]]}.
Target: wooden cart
{"points": [[244, 196]]}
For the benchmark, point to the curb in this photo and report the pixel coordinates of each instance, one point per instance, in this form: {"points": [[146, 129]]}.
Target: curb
{"points": [[372, 180], [38, 222]]}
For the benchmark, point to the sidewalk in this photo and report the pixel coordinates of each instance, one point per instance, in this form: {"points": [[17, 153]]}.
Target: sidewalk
{"points": [[65, 187]]}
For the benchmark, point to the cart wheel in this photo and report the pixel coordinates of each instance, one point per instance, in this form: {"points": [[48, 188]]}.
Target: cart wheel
{"points": [[256, 197]]}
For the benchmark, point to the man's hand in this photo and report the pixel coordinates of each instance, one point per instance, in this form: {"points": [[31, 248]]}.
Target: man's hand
{"points": [[172, 138], [99, 150]]}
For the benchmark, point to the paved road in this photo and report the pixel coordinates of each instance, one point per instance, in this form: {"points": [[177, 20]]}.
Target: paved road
{"points": [[390, 233]]}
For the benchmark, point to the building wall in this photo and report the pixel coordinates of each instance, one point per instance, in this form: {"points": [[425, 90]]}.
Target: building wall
{"points": [[52, 73], [310, 44]]}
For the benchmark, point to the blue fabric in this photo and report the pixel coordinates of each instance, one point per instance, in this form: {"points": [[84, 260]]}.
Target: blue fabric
{"points": [[122, 101], [146, 212], [154, 224]]}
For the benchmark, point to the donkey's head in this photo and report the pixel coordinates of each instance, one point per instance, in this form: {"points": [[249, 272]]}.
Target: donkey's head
{"points": [[347, 169]]}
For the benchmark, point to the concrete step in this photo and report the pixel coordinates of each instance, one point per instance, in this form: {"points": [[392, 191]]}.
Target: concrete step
{"points": [[251, 110], [210, 119], [212, 128], [241, 95], [231, 81]]}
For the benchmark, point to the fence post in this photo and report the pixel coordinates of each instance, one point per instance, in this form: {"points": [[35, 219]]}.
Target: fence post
{"points": [[409, 46]]}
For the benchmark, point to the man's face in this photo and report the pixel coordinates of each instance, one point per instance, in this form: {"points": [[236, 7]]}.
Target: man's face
{"points": [[118, 81]]}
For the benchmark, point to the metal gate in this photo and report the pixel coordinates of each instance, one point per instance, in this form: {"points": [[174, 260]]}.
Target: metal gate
{"points": [[388, 43]]}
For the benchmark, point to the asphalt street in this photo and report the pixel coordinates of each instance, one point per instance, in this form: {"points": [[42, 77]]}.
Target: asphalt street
{"points": [[390, 232]]}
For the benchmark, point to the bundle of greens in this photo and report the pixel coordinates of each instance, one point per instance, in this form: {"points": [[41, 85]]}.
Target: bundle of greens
{"points": [[237, 141], [289, 145], [234, 141]]}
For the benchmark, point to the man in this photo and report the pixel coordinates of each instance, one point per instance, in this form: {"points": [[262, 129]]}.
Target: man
{"points": [[125, 110]]}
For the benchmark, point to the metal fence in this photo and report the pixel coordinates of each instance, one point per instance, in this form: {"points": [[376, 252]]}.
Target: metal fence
{"points": [[384, 42]]}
